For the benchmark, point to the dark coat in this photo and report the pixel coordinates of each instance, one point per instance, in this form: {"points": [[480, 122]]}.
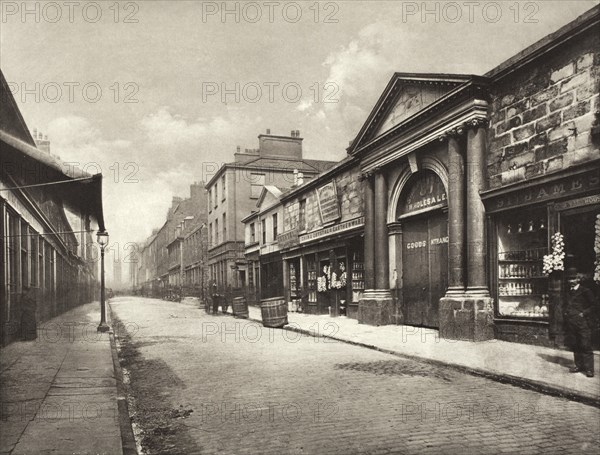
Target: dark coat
{"points": [[581, 301]]}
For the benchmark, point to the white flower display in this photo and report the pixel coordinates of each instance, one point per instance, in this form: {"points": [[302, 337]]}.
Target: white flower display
{"points": [[321, 284], [556, 259]]}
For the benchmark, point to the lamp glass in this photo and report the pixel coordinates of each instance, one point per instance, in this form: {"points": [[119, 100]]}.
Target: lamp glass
{"points": [[102, 238]]}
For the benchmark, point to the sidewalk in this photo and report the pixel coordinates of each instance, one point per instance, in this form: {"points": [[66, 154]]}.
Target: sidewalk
{"points": [[534, 367], [59, 392]]}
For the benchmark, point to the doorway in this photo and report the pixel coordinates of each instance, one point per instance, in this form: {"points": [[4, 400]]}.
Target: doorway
{"points": [[579, 227], [425, 267]]}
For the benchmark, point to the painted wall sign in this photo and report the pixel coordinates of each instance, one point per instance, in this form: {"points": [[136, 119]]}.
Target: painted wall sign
{"points": [[547, 191], [333, 229], [427, 190], [581, 202], [329, 206], [288, 239]]}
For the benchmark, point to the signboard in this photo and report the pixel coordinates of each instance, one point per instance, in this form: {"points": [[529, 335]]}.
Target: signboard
{"points": [[328, 202], [288, 239], [547, 191], [347, 225], [426, 191]]}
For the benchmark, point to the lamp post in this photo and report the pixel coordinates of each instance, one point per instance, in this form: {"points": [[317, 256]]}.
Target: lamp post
{"points": [[102, 237]]}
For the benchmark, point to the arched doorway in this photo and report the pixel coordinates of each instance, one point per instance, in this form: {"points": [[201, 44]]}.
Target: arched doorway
{"points": [[422, 211]]}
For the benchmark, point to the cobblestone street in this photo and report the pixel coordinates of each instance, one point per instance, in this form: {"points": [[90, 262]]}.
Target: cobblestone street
{"points": [[214, 384]]}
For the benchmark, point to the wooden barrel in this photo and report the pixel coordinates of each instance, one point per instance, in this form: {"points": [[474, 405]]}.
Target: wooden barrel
{"points": [[274, 312], [240, 307]]}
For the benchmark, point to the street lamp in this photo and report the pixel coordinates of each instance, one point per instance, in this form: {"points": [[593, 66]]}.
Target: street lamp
{"points": [[102, 237]]}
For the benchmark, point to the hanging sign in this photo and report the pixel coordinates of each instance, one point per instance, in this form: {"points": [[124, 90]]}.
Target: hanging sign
{"points": [[329, 206], [425, 192]]}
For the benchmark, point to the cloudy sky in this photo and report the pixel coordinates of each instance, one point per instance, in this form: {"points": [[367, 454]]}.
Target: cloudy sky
{"points": [[154, 93]]}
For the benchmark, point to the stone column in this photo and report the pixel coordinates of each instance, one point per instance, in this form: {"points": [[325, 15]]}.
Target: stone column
{"points": [[369, 245], [466, 311], [456, 215], [476, 245], [376, 306], [382, 267]]}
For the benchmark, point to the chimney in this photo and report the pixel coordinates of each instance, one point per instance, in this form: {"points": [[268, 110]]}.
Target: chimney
{"points": [[297, 133], [295, 178], [293, 133], [41, 141], [268, 131], [239, 149], [300, 178]]}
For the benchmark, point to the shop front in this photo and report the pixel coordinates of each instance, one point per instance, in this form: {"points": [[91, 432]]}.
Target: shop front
{"points": [[530, 221], [324, 270]]}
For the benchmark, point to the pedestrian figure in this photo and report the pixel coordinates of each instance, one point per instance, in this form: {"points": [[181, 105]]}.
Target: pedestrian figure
{"points": [[215, 297], [580, 307]]}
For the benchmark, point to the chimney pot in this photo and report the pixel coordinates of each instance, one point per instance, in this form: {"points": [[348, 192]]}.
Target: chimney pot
{"points": [[268, 131], [239, 149], [297, 133]]}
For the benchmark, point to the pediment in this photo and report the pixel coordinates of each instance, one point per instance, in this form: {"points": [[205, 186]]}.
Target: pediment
{"points": [[405, 96]]}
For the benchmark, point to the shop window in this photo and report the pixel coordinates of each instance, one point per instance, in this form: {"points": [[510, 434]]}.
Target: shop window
{"points": [[302, 216], [522, 244], [311, 279], [358, 276]]}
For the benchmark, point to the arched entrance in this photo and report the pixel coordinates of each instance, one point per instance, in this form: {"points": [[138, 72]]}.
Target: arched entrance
{"points": [[422, 211]]}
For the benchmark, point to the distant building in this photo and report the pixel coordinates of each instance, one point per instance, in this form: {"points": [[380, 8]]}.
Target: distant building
{"points": [[48, 252], [173, 256], [264, 262], [234, 191]]}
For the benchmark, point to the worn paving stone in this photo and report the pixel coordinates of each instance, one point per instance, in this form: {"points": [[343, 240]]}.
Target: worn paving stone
{"points": [[247, 389]]}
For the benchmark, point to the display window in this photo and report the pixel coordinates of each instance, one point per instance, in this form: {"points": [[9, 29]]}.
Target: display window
{"points": [[522, 243]]}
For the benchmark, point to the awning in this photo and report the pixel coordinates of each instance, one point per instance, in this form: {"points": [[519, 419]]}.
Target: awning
{"points": [[80, 192]]}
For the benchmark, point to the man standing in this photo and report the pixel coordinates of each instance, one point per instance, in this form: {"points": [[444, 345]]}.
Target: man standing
{"points": [[579, 312]]}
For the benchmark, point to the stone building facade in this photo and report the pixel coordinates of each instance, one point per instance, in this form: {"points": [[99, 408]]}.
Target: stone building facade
{"points": [[467, 179], [48, 252], [233, 192], [174, 256]]}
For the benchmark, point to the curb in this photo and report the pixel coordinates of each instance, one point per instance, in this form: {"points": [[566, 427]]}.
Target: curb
{"points": [[127, 439], [528, 384]]}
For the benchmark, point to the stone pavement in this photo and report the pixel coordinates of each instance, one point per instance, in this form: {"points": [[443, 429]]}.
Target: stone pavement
{"points": [[59, 392], [204, 384], [535, 367]]}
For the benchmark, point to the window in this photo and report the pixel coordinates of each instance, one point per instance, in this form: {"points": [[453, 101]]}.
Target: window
{"points": [[24, 254], [216, 232], [274, 227], [11, 256], [210, 234], [223, 187], [224, 227], [258, 181], [210, 200], [522, 244], [264, 231], [33, 258], [252, 233], [216, 194], [302, 215]]}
